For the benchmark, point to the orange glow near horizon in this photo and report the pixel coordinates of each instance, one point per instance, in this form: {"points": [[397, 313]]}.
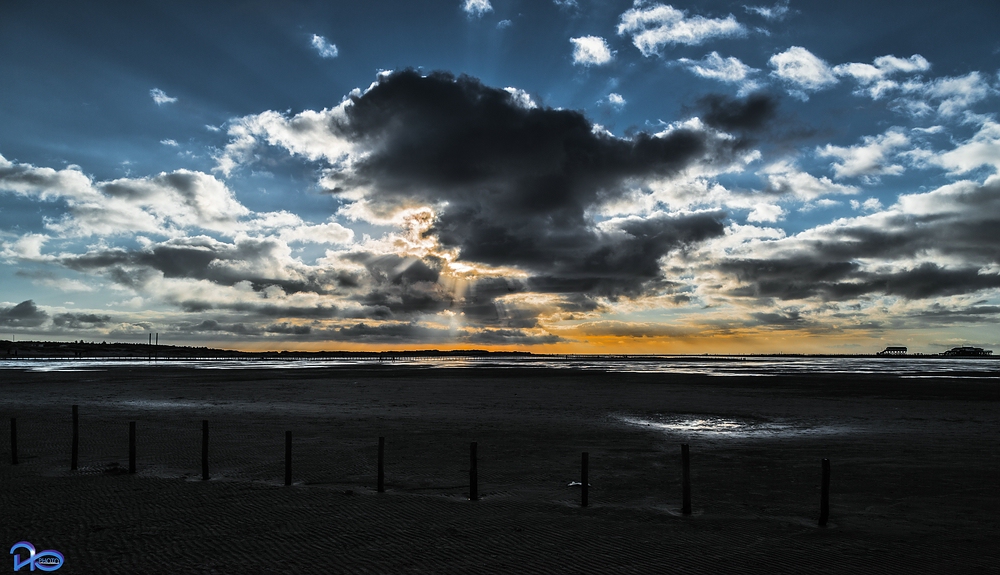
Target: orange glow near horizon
{"points": [[785, 342]]}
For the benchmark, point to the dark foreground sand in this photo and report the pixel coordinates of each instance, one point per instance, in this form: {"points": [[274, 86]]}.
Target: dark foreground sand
{"points": [[914, 482]]}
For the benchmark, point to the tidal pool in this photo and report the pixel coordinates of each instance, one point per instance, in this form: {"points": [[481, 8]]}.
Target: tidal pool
{"points": [[729, 427]]}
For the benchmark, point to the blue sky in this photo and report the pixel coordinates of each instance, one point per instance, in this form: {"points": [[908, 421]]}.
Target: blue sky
{"points": [[552, 175]]}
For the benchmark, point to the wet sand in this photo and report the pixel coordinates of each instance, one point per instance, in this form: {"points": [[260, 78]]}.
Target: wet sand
{"points": [[914, 472]]}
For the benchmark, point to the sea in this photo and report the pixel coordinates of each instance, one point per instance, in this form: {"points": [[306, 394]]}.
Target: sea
{"points": [[719, 366]]}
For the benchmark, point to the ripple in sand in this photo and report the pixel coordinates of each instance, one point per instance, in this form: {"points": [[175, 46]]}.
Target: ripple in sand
{"points": [[729, 427]]}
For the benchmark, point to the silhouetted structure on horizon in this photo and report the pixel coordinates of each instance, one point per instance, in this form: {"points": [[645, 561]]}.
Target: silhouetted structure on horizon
{"points": [[967, 351], [893, 350]]}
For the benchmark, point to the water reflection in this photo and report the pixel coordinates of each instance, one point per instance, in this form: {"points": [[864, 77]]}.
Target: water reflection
{"points": [[729, 427], [946, 368]]}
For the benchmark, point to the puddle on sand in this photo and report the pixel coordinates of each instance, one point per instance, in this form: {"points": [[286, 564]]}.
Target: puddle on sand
{"points": [[729, 427]]}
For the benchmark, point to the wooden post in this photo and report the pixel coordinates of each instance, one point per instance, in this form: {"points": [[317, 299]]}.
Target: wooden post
{"points": [[204, 450], [13, 441], [824, 497], [381, 464], [288, 458], [584, 479], [75, 451], [473, 473], [131, 447], [686, 479]]}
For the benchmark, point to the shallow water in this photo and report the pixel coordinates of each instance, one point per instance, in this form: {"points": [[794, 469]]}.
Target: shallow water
{"points": [[719, 366], [709, 426]]}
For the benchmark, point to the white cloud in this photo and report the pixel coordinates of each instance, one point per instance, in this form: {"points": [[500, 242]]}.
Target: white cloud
{"points": [[477, 7], [565, 3], [766, 213], [182, 198], [521, 98], [716, 67], [874, 78], [160, 97], [311, 134], [159, 204], [869, 158], [983, 149], [27, 247], [803, 69], [324, 48], [869, 205], [66, 285], [730, 70], [776, 12], [290, 228], [784, 178], [328, 233], [503, 24], [915, 63], [654, 26], [172, 143], [616, 100], [591, 51], [958, 92]]}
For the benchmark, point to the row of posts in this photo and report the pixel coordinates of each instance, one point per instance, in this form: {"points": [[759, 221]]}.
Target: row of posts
{"points": [[824, 513]]}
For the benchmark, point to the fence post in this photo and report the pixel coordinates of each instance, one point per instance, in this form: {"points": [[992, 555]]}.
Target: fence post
{"points": [[686, 479], [204, 450], [288, 458], [13, 441], [584, 479], [75, 451], [824, 497], [131, 447], [473, 473], [381, 464]]}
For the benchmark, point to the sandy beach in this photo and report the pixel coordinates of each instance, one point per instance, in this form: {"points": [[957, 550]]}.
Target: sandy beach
{"points": [[913, 490]]}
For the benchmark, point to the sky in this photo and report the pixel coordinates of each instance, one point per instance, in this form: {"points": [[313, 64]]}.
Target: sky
{"points": [[555, 176]]}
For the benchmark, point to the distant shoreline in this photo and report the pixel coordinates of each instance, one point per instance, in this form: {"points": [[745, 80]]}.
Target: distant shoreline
{"points": [[31, 350]]}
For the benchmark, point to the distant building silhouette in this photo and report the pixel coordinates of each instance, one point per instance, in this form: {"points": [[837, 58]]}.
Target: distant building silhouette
{"points": [[967, 351], [893, 350]]}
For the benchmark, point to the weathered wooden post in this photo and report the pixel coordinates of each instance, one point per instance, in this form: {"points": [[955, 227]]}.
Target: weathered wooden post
{"points": [[584, 479], [13, 441], [75, 451], [473, 473], [381, 464], [824, 496], [288, 458], [686, 479], [204, 450], [131, 447]]}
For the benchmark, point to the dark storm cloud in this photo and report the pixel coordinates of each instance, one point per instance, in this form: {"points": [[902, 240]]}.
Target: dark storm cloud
{"points": [[959, 223], [24, 314], [268, 311], [80, 320], [513, 185], [834, 281], [399, 286], [388, 333], [200, 259], [976, 313], [211, 325], [788, 319], [288, 329], [509, 337], [733, 114], [628, 329]]}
